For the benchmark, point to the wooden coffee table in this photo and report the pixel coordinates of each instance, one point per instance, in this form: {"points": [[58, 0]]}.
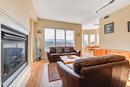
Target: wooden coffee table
{"points": [[68, 59]]}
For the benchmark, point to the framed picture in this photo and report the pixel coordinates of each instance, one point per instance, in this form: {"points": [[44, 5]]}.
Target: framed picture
{"points": [[128, 24], [109, 28]]}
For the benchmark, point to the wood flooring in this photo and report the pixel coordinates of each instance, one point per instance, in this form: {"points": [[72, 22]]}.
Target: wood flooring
{"points": [[39, 76]]}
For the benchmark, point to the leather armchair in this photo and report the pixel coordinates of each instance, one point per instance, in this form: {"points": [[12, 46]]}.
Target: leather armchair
{"points": [[106, 72]]}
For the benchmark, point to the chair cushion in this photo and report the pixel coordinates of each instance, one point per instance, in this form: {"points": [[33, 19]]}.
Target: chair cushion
{"points": [[80, 63]]}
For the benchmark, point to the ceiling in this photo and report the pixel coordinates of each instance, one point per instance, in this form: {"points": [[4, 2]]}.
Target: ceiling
{"points": [[76, 11]]}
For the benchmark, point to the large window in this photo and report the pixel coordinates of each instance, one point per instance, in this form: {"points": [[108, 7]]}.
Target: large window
{"points": [[69, 38], [58, 37], [85, 40], [97, 39], [92, 39], [49, 38]]}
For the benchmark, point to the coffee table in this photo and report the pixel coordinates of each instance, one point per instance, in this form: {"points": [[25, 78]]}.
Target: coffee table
{"points": [[68, 59]]}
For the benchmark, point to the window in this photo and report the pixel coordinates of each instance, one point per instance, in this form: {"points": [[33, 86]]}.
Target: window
{"points": [[92, 39], [85, 40], [97, 39], [58, 37], [69, 38], [49, 38]]}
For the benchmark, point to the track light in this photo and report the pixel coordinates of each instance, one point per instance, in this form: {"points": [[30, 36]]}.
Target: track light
{"points": [[105, 5]]}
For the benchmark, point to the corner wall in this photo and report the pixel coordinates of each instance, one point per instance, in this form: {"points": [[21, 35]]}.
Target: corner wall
{"points": [[120, 39]]}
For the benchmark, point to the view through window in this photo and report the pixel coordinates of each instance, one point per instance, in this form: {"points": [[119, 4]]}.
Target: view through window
{"points": [[85, 40], [69, 38], [49, 38], [58, 37], [98, 39], [92, 39]]}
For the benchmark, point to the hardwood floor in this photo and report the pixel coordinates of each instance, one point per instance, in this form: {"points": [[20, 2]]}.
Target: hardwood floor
{"points": [[39, 76]]}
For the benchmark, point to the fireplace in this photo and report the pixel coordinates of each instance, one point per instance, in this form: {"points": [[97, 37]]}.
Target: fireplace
{"points": [[13, 53]]}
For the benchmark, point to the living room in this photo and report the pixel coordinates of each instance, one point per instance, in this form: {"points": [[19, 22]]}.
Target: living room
{"points": [[64, 43]]}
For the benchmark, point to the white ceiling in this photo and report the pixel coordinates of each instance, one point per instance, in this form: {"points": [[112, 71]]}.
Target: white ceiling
{"points": [[76, 11]]}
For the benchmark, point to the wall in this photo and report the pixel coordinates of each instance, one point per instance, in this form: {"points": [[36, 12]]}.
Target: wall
{"points": [[21, 10], [44, 23], [93, 31], [120, 38]]}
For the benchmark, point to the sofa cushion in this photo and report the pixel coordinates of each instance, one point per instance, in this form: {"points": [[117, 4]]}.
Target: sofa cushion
{"points": [[52, 49], [66, 50], [65, 53], [73, 53], [59, 50], [56, 54], [115, 58], [71, 49], [80, 63]]}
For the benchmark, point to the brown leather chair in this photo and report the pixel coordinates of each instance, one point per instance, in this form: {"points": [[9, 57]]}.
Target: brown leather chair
{"points": [[105, 71]]}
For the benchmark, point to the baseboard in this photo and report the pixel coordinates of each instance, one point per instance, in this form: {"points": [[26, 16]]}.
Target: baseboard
{"points": [[22, 78]]}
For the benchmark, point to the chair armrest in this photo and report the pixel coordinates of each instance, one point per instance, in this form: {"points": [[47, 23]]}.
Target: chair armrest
{"points": [[61, 65], [66, 72]]}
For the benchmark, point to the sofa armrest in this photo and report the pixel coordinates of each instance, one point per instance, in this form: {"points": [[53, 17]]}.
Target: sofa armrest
{"points": [[78, 51], [49, 56], [72, 77]]}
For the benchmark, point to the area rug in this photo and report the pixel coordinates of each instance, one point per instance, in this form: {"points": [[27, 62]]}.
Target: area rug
{"points": [[53, 72]]}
